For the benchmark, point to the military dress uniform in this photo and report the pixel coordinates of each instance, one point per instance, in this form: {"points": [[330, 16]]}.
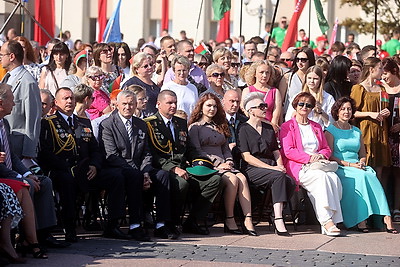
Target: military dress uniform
{"points": [[169, 152], [66, 152]]}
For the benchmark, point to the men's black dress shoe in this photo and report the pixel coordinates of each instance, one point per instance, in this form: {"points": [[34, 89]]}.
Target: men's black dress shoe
{"points": [[139, 234], [70, 236], [52, 242], [165, 233], [92, 225], [115, 233], [192, 227]]}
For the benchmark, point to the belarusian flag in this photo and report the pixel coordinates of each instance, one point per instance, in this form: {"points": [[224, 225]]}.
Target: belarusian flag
{"points": [[201, 49], [220, 7], [384, 97]]}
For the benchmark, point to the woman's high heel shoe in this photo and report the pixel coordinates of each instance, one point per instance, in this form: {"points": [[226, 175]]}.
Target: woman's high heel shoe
{"points": [[286, 233], [30, 248], [331, 231], [249, 232], [231, 231]]}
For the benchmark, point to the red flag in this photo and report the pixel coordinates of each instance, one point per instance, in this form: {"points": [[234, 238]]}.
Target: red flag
{"points": [[44, 14], [333, 35], [291, 34], [164, 15], [101, 18], [224, 27]]}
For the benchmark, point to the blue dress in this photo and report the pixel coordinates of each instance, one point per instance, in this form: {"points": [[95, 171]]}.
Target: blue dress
{"points": [[363, 194]]}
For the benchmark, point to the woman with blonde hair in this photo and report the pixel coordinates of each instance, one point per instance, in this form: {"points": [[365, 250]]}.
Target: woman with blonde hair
{"points": [[259, 79], [101, 101], [314, 84], [142, 69], [223, 57], [216, 78]]}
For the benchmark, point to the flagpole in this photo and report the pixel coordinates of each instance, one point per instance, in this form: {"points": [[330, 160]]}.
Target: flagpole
{"points": [[198, 22], [240, 30], [272, 29], [61, 18], [376, 25], [109, 31], [309, 23]]}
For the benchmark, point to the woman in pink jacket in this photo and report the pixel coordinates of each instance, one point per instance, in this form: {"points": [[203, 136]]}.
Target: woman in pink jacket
{"points": [[303, 142]]}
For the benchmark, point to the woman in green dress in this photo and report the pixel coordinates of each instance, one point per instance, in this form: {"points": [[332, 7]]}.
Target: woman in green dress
{"points": [[363, 194]]}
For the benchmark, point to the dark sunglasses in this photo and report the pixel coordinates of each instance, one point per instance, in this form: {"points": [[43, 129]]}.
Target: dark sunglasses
{"points": [[202, 64], [216, 75], [105, 51], [235, 65], [302, 59], [147, 65], [286, 59], [247, 63], [262, 106], [97, 77], [158, 61], [302, 104]]}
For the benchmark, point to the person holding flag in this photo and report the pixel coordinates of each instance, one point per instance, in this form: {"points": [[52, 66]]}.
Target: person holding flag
{"points": [[372, 102]]}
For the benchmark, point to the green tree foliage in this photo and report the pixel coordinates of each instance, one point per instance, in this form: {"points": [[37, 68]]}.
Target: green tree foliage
{"points": [[388, 16]]}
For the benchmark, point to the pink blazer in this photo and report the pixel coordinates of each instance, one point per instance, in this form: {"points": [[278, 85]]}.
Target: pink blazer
{"points": [[292, 148]]}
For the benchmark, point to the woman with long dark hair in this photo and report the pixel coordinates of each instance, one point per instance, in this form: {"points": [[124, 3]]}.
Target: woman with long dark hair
{"points": [[57, 70], [208, 131], [291, 83], [122, 55], [337, 83]]}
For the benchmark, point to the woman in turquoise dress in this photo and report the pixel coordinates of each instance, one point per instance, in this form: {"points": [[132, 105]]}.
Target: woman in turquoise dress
{"points": [[363, 194]]}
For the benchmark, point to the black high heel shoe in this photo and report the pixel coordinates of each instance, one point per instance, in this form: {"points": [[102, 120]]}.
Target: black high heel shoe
{"points": [[231, 231], [249, 232], [286, 233], [30, 248]]}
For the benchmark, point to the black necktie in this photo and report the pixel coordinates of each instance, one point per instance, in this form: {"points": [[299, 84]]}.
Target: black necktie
{"points": [[6, 77], [232, 122], [6, 146], [70, 123], [170, 130]]}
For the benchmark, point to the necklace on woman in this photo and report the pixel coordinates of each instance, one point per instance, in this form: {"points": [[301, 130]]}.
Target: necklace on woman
{"points": [[347, 124]]}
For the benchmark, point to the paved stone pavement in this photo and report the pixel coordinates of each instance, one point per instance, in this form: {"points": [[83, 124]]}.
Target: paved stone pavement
{"points": [[307, 247]]}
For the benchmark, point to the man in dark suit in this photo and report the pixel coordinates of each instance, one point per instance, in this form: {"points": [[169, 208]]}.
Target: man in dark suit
{"points": [[70, 153], [42, 194], [124, 139], [171, 149], [231, 105]]}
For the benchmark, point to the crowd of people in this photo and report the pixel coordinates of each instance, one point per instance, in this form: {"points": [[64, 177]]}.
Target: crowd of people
{"points": [[156, 133]]}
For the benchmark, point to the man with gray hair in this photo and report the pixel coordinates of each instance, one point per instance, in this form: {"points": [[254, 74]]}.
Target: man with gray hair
{"points": [[124, 141], [47, 101]]}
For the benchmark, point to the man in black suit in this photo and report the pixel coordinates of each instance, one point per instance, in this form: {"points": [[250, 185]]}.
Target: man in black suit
{"points": [[124, 139], [231, 104], [172, 149], [70, 153]]}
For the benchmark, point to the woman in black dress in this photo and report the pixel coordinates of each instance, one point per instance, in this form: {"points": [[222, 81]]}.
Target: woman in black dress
{"points": [[262, 160]]}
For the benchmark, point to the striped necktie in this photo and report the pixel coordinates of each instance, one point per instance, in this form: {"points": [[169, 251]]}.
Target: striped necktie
{"points": [[128, 126], [6, 146]]}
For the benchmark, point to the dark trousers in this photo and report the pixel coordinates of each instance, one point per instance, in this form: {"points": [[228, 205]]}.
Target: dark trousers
{"points": [[202, 192], [161, 188], [282, 186], [69, 186], [134, 189]]}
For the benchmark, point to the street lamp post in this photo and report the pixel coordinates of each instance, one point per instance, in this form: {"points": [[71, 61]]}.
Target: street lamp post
{"points": [[260, 12]]}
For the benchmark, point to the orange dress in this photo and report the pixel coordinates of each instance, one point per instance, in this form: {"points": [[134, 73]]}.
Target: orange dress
{"points": [[375, 135]]}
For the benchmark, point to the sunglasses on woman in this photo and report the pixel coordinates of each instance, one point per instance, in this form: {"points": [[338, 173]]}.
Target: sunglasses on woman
{"points": [[235, 65], [147, 66], [302, 59], [202, 64], [96, 77], [262, 106], [216, 75], [302, 104]]}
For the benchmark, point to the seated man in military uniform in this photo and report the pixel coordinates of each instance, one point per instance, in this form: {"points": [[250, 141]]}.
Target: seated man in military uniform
{"points": [[70, 154], [171, 149]]}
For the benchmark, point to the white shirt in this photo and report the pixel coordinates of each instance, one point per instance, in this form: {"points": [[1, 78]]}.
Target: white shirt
{"points": [[171, 125], [13, 74], [186, 95], [124, 120], [308, 139], [65, 117]]}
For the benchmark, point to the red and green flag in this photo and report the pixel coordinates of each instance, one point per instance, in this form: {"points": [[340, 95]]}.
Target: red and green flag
{"points": [[220, 7], [201, 49], [384, 97]]}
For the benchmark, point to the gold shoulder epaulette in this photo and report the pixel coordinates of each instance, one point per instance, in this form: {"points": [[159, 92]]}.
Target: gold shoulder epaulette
{"points": [[150, 118], [50, 117]]}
